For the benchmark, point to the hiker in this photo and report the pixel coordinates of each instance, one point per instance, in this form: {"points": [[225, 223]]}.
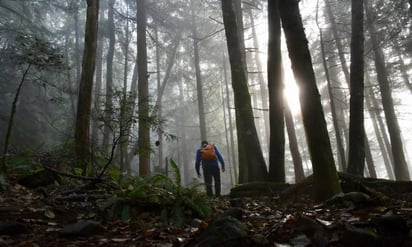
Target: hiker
{"points": [[209, 156]]}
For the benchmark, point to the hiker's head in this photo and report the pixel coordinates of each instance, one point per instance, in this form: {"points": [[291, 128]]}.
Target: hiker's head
{"points": [[204, 143]]}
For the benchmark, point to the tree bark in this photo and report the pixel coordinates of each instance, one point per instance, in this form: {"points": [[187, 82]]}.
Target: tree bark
{"points": [[86, 84], [380, 132], [356, 160], [125, 115], [231, 129], [108, 112], [276, 100], [144, 149], [293, 145], [326, 182], [262, 84], [250, 153], [99, 80]]}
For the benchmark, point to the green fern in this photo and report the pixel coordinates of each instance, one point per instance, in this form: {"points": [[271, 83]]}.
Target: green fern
{"points": [[160, 191], [178, 179]]}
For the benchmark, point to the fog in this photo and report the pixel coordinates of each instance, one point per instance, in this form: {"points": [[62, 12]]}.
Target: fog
{"points": [[41, 51]]}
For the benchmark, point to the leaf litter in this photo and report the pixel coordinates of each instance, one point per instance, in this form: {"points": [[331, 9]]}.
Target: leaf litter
{"points": [[279, 221]]}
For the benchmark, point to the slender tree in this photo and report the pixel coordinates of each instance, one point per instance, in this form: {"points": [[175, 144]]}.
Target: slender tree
{"points": [[108, 112], [356, 161], [276, 100], [293, 145], [326, 182], [81, 132], [262, 83], [333, 107], [250, 153], [379, 128], [125, 105], [3, 167], [231, 128], [99, 77], [143, 92], [74, 6], [400, 166], [337, 39], [201, 106]]}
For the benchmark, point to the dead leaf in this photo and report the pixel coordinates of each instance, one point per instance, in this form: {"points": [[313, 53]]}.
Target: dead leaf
{"points": [[49, 214]]}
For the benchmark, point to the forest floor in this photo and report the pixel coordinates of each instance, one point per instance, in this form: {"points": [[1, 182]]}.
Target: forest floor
{"points": [[35, 217]]}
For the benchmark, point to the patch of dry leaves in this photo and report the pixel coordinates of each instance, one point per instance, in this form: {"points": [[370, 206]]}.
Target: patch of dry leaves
{"points": [[298, 222]]}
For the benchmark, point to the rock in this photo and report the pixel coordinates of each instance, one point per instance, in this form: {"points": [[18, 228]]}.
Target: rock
{"points": [[351, 199], [260, 240], [355, 236], [82, 229], [301, 240], [227, 231], [13, 228], [40, 178], [391, 224], [308, 226], [257, 189], [236, 202], [232, 212]]}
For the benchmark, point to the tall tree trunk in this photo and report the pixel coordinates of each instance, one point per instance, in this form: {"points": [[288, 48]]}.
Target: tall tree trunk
{"points": [[99, 79], [339, 140], [161, 85], [3, 167], [261, 80], [338, 42], [402, 66], [356, 160], [170, 62], [293, 145], [81, 133], [339, 95], [201, 106], [369, 160], [380, 132], [250, 153], [132, 101], [143, 92], [77, 54], [326, 182], [188, 171], [400, 167], [108, 112], [70, 84], [276, 100], [159, 143], [237, 8], [174, 45], [228, 162], [231, 129], [125, 105]]}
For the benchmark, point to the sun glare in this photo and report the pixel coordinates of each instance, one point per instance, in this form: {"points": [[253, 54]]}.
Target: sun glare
{"points": [[291, 91], [291, 94]]}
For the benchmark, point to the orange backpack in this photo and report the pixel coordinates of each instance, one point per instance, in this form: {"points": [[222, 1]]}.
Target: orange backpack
{"points": [[207, 153]]}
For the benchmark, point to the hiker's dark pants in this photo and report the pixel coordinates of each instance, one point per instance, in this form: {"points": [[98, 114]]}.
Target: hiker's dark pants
{"points": [[212, 173]]}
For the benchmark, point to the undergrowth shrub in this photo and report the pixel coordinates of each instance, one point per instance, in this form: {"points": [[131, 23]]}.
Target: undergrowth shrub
{"points": [[159, 193]]}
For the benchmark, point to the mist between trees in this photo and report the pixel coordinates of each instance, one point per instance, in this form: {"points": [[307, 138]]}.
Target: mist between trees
{"points": [[126, 85]]}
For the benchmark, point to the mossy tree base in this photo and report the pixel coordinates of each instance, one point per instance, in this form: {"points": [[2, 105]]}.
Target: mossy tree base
{"points": [[372, 186]]}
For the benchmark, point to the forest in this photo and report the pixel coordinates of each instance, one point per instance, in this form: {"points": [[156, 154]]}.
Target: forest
{"points": [[105, 104]]}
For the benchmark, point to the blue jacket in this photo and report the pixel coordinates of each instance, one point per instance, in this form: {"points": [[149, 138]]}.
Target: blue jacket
{"points": [[208, 163]]}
